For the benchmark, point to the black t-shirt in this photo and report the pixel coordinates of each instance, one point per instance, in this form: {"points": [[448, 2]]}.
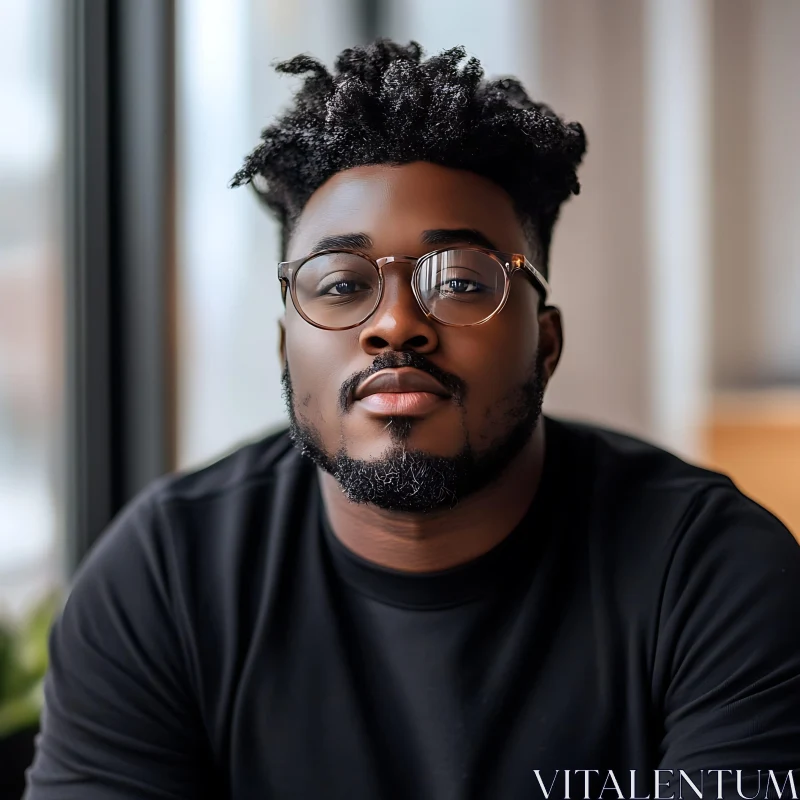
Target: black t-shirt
{"points": [[220, 642]]}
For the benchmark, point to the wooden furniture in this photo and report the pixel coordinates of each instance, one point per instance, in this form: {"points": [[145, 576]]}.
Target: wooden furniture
{"points": [[755, 438]]}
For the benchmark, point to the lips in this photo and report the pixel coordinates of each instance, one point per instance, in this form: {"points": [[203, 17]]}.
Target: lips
{"points": [[399, 380]]}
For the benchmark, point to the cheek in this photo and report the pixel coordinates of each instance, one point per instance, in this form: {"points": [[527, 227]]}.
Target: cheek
{"points": [[315, 358], [497, 358]]}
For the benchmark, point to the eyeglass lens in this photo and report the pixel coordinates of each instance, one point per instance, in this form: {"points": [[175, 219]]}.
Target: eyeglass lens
{"points": [[458, 287]]}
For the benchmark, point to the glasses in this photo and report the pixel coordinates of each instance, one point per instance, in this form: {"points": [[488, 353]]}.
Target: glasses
{"points": [[340, 289]]}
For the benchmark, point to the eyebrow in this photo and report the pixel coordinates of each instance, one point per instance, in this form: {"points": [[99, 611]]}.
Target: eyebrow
{"points": [[343, 241], [435, 236], [440, 236]]}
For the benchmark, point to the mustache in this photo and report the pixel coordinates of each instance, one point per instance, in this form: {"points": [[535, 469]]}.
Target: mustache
{"points": [[404, 358]]}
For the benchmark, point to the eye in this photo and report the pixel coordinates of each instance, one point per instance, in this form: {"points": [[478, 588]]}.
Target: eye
{"points": [[458, 280], [343, 284], [458, 286], [341, 288]]}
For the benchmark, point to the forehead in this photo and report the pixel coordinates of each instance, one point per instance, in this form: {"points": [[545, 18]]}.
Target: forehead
{"points": [[393, 205]]}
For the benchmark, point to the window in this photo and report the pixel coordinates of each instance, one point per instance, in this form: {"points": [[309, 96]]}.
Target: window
{"points": [[229, 301], [31, 302]]}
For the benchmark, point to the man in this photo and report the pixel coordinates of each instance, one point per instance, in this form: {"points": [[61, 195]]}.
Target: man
{"points": [[426, 589]]}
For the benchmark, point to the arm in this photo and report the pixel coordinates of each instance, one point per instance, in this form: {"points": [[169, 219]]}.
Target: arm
{"points": [[728, 661], [120, 721]]}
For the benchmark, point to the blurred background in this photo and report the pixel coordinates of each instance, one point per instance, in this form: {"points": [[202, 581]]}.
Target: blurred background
{"points": [[138, 302]]}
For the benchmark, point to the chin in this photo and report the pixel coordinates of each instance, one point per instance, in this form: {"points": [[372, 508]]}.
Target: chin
{"points": [[392, 434]]}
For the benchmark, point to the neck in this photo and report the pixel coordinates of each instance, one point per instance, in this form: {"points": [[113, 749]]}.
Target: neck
{"points": [[442, 539]]}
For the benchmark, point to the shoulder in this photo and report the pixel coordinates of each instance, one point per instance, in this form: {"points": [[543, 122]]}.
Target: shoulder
{"points": [[180, 569], [707, 578], [223, 494], [667, 524], [631, 481], [623, 456], [179, 528], [157, 620], [253, 464]]}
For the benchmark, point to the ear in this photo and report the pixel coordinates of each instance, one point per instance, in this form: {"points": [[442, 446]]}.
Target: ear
{"points": [[282, 342], [551, 340]]}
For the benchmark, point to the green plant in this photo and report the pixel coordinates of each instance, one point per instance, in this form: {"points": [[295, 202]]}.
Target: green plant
{"points": [[23, 663]]}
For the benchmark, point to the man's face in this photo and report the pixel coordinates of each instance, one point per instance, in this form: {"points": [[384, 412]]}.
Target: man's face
{"points": [[432, 450]]}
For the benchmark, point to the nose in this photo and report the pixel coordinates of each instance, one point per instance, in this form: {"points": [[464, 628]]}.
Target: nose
{"points": [[398, 322]]}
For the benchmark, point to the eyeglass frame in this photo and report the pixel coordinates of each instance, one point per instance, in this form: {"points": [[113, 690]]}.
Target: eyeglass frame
{"points": [[509, 262]]}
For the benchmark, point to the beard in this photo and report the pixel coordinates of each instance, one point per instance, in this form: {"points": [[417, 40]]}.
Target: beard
{"points": [[412, 480]]}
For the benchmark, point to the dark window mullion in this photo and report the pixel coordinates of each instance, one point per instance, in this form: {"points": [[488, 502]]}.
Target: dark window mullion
{"points": [[91, 493], [371, 16], [145, 161], [120, 265]]}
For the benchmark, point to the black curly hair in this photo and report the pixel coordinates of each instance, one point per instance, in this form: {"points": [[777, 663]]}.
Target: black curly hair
{"points": [[384, 104]]}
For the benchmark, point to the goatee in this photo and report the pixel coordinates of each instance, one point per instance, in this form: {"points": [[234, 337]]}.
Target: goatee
{"points": [[412, 480]]}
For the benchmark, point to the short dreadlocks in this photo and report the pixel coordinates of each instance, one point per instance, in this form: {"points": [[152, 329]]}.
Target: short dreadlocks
{"points": [[384, 104]]}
